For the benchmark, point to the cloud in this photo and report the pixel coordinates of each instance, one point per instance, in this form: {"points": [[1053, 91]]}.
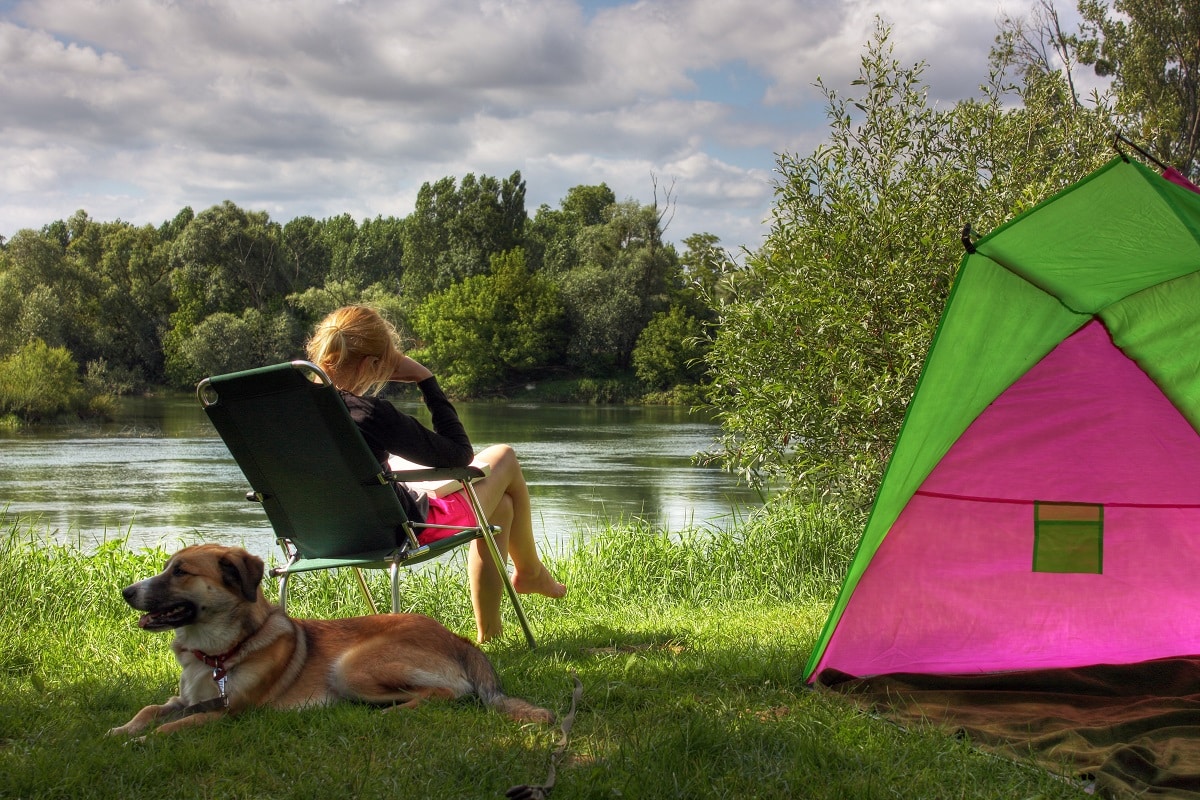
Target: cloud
{"points": [[133, 109]]}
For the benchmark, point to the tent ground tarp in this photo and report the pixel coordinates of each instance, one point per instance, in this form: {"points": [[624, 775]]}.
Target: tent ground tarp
{"points": [[1128, 730]]}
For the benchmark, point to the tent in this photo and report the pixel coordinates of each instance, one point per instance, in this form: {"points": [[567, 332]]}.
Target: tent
{"points": [[1041, 509]]}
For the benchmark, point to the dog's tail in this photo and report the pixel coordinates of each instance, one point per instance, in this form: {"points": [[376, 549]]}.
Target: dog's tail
{"points": [[486, 683]]}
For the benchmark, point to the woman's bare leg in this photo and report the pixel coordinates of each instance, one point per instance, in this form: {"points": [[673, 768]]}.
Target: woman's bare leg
{"points": [[504, 496], [486, 585]]}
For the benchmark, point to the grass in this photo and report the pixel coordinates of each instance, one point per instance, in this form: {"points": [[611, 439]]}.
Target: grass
{"points": [[689, 646]]}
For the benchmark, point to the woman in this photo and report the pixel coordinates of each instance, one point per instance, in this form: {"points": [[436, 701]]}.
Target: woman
{"points": [[359, 351]]}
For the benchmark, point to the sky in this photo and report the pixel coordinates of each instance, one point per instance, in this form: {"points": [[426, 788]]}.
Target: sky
{"points": [[133, 109]]}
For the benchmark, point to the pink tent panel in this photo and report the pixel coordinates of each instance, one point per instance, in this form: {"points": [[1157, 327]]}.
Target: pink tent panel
{"points": [[1084, 425], [952, 587]]}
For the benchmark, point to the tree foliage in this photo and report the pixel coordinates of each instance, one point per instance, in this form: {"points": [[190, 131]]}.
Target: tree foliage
{"points": [[227, 287], [822, 337], [491, 329], [623, 276], [670, 350], [39, 382], [1151, 50], [225, 342], [456, 229], [226, 260]]}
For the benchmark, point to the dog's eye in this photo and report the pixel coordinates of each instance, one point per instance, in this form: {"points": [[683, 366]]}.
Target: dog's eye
{"points": [[177, 571]]}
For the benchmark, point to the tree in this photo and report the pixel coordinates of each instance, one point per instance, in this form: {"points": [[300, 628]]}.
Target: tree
{"points": [[38, 382], [36, 278], [704, 268], [588, 205], [824, 330], [455, 230], [491, 220], [304, 253], [552, 235], [670, 350], [224, 261], [227, 259], [11, 302], [623, 277], [379, 252], [127, 306], [225, 342], [171, 230], [1038, 45], [488, 330], [427, 238], [1151, 50]]}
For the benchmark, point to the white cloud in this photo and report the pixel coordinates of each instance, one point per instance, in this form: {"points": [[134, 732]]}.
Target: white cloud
{"points": [[133, 109]]}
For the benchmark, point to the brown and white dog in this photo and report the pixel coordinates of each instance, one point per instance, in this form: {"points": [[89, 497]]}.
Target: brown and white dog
{"points": [[238, 650]]}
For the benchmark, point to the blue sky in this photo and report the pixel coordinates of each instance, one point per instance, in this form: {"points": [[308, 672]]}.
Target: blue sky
{"points": [[133, 109]]}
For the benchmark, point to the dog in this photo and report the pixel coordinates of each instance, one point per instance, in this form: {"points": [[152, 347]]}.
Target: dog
{"points": [[237, 650]]}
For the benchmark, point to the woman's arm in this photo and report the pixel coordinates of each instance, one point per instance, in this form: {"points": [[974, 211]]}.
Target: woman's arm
{"points": [[408, 370], [390, 431]]}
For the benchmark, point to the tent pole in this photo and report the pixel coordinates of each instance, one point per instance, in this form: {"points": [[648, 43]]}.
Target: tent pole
{"points": [[1119, 138]]}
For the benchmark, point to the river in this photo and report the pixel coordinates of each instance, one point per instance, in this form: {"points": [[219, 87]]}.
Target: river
{"points": [[158, 475]]}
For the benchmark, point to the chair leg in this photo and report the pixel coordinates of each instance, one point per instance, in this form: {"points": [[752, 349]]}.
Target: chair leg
{"points": [[291, 555], [283, 581], [362, 584], [499, 562], [394, 574]]}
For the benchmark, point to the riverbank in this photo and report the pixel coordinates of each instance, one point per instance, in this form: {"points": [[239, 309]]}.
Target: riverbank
{"points": [[689, 647]]}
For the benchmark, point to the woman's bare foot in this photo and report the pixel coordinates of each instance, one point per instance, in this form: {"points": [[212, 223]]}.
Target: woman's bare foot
{"points": [[543, 583]]}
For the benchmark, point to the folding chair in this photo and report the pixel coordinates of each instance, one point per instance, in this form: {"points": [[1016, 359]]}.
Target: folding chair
{"points": [[330, 503]]}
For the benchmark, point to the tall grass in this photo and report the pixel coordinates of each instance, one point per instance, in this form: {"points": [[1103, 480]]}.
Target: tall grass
{"points": [[798, 552], [689, 647]]}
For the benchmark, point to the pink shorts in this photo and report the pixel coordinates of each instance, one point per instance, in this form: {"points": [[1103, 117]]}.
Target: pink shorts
{"points": [[454, 509]]}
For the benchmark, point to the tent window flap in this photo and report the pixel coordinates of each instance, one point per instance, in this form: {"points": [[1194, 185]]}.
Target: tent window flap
{"points": [[1068, 537]]}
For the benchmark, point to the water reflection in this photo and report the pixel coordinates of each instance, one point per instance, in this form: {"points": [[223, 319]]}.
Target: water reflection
{"points": [[160, 474]]}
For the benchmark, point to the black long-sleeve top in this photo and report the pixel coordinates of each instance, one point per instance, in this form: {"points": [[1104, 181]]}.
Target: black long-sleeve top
{"points": [[389, 431]]}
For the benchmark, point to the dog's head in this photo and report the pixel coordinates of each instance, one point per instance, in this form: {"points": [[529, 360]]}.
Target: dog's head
{"points": [[197, 584]]}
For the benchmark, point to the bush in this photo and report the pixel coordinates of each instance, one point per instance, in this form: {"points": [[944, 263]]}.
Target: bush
{"points": [[670, 350], [39, 382], [490, 330], [822, 340]]}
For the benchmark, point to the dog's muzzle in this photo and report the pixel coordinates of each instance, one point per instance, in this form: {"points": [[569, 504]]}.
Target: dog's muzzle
{"points": [[161, 613]]}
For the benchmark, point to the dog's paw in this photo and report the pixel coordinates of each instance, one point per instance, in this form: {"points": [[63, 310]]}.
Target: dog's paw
{"points": [[127, 731]]}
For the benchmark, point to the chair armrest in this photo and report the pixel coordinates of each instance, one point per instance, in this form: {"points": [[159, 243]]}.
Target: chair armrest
{"points": [[439, 481]]}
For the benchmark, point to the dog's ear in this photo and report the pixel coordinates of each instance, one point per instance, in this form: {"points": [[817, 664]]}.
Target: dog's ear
{"points": [[243, 572]]}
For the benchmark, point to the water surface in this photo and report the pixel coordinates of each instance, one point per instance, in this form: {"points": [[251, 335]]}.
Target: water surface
{"points": [[160, 475]]}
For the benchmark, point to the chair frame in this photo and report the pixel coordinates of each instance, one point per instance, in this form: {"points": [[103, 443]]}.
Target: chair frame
{"points": [[407, 553]]}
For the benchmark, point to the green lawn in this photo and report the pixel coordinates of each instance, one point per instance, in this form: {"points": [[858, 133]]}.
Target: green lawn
{"points": [[689, 648]]}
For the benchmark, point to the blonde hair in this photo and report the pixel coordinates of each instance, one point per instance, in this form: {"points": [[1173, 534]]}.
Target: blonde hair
{"points": [[344, 338]]}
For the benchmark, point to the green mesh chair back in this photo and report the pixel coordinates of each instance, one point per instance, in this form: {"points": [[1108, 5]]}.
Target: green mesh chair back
{"points": [[306, 461]]}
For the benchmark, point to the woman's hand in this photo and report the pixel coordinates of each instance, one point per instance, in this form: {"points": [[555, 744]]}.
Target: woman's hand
{"points": [[408, 370]]}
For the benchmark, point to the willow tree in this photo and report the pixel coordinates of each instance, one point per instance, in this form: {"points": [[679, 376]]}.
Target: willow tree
{"points": [[823, 333], [1151, 51]]}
